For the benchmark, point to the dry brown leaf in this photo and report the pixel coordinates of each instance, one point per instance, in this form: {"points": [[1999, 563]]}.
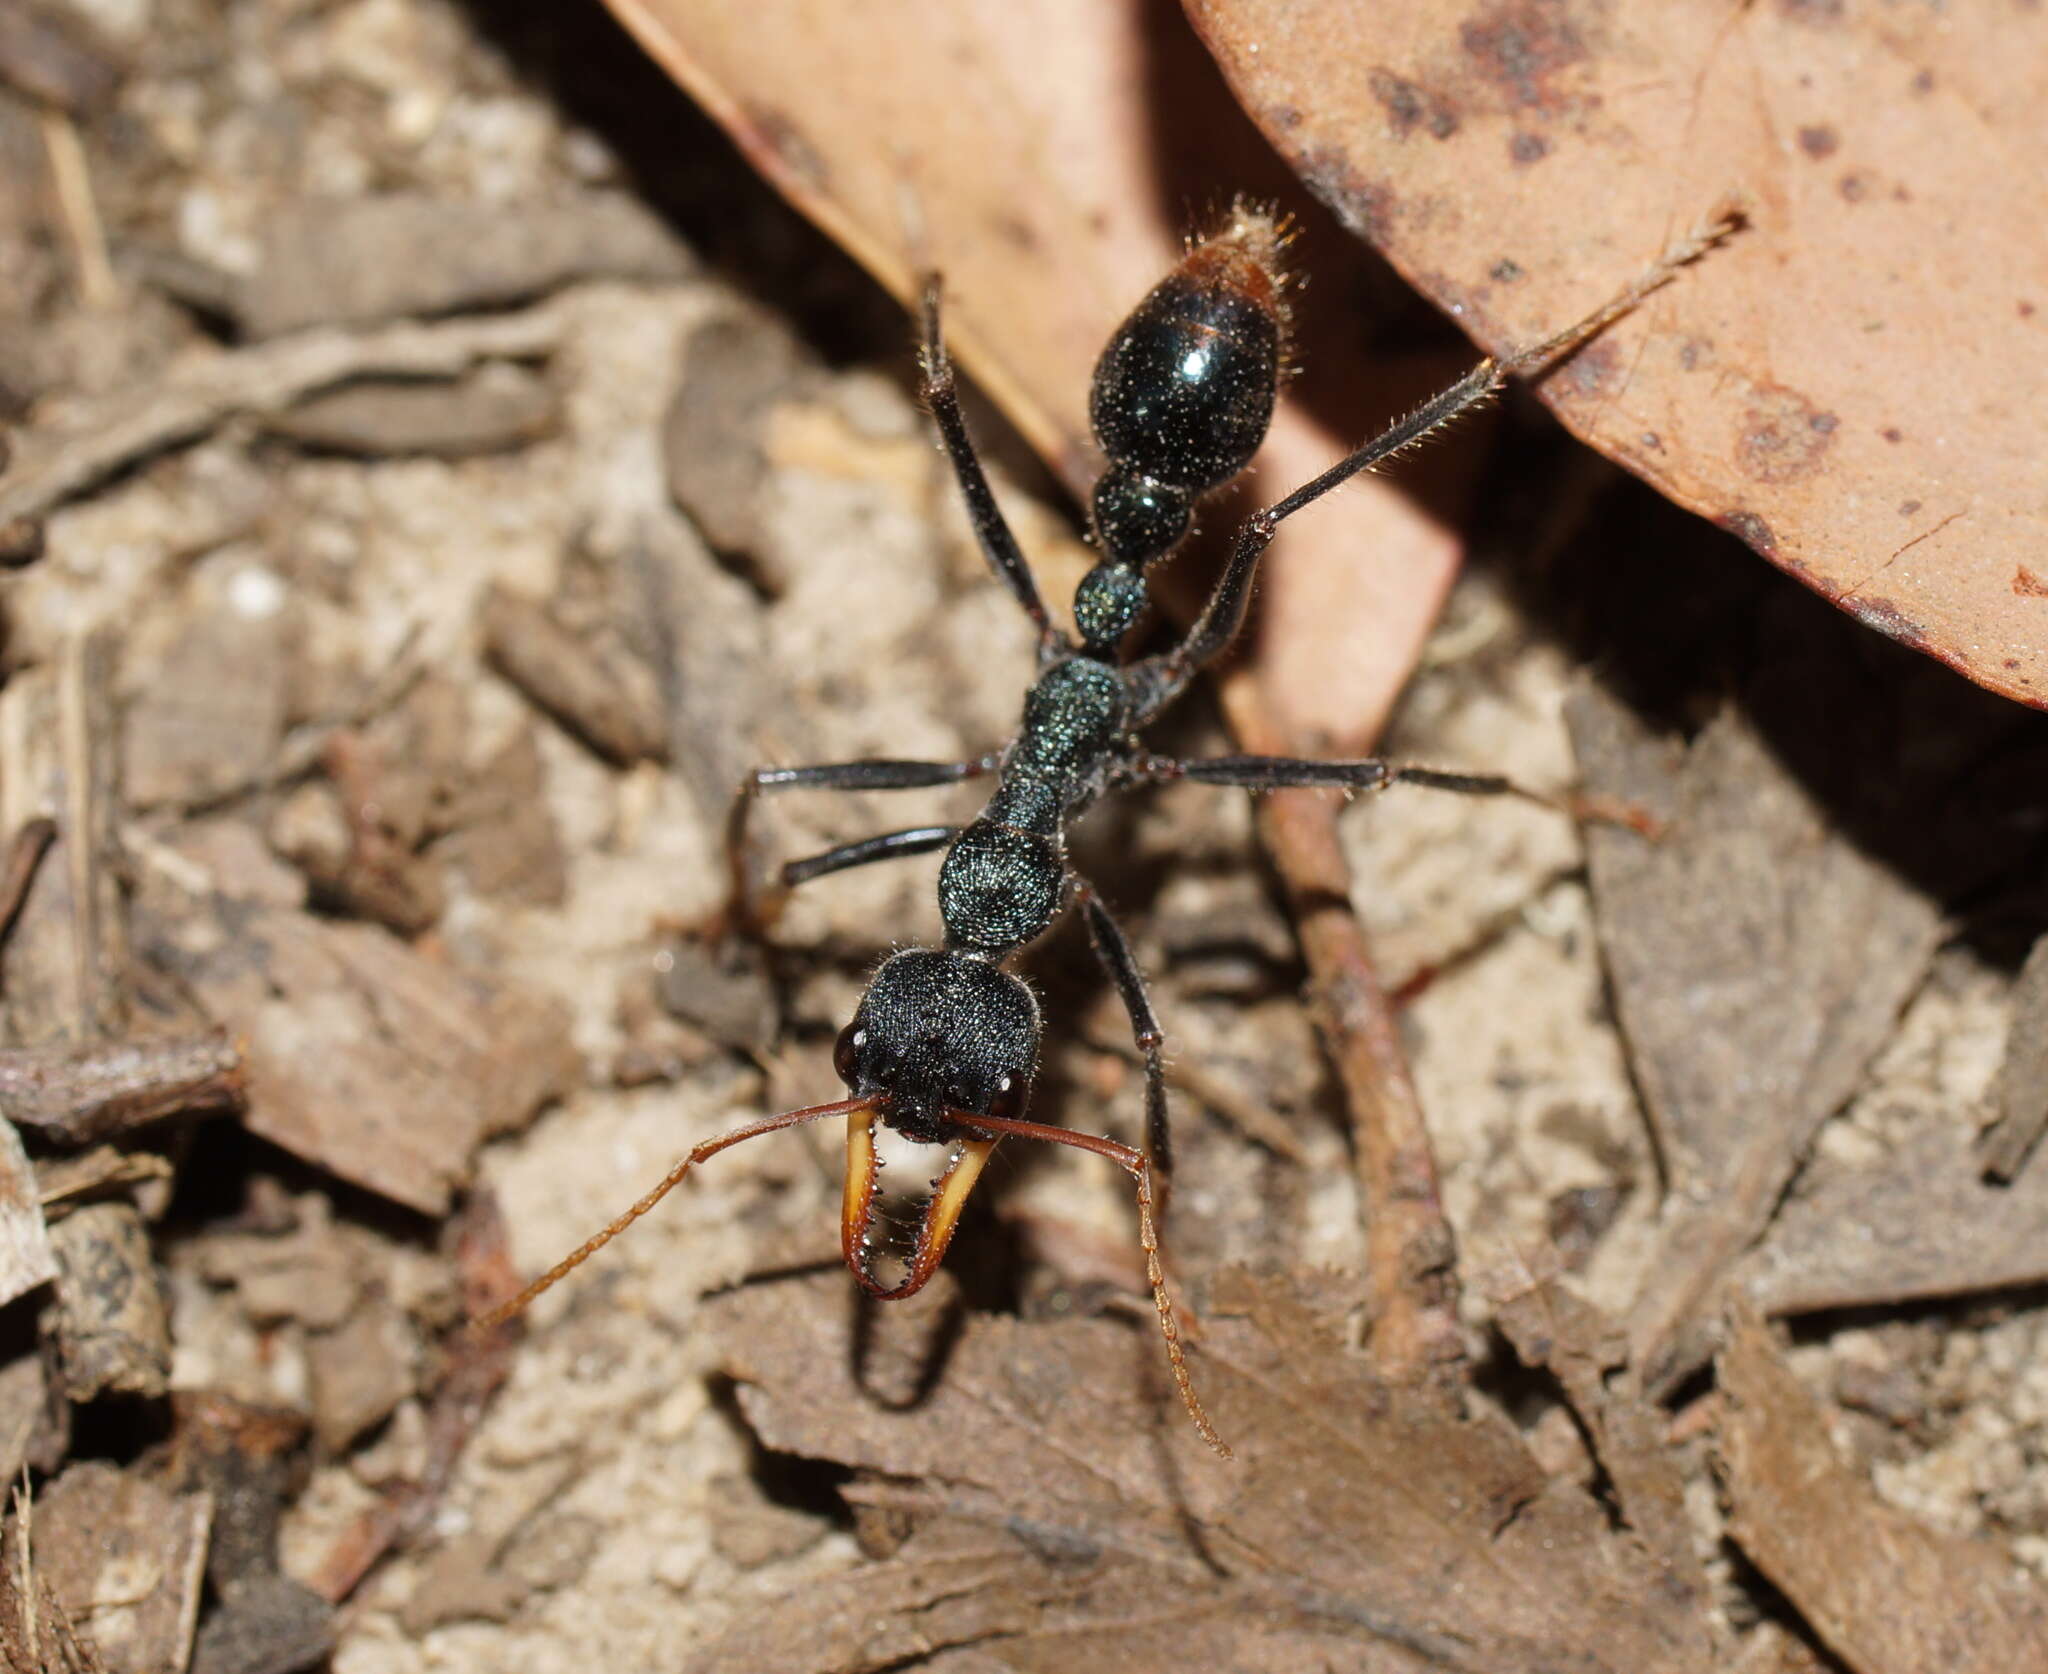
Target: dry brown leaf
{"points": [[1759, 958], [1889, 1595], [1848, 388], [1923, 1224], [1552, 1326], [1359, 1515]]}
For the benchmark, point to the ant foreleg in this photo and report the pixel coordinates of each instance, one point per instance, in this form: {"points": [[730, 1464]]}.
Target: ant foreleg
{"points": [[869, 775], [991, 530], [1114, 950], [743, 910], [919, 839]]}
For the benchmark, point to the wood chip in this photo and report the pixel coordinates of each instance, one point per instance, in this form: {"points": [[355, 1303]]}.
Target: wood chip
{"points": [[505, 840], [210, 701], [354, 867], [113, 1332], [1923, 1224], [2023, 1079], [269, 1624], [360, 1371], [356, 261], [612, 706], [722, 985], [493, 408], [736, 370], [25, 1259], [64, 1182], [1889, 1595], [314, 1273], [1553, 1327], [35, 1420], [366, 1057], [127, 1559], [80, 1095], [1759, 958]]}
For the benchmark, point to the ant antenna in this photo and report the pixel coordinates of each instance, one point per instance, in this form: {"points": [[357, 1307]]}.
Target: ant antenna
{"points": [[1139, 1167], [674, 1178]]}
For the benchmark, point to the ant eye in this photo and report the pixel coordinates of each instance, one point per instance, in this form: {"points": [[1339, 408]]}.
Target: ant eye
{"points": [[1009, 1100], [846, 1051]]}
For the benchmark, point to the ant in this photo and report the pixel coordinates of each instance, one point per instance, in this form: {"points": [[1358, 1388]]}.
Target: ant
{"points": [[944, 1045]]}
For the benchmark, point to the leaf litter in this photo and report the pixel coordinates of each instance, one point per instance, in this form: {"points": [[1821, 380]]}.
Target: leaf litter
{"points": [[1022, 1491], [1839, 392], [1042, 1457]]}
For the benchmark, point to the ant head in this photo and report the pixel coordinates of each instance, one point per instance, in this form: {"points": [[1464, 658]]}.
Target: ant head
{"points": [[940, 1037], [939, 1031]]}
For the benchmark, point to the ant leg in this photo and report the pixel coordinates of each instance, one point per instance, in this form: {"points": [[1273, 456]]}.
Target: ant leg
{"points": [[1142, 1172], [1114, 950], [998, 545], [920, 839], [753, 916], [1157, 681], [1264, 773], [1261, 773]]}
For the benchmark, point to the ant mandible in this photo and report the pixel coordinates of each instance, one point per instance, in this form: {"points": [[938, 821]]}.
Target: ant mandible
{"points": [[944, 1045]]}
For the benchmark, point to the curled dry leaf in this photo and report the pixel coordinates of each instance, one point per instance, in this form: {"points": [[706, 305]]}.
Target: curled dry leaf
{"points": [[1889, 1595], [1847, 390]]}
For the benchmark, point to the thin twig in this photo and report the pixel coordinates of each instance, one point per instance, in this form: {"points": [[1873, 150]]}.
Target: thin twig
{"points": [[95, 438], [1241, 1111], [1411, 1273], [18, 870], [79, 208]]}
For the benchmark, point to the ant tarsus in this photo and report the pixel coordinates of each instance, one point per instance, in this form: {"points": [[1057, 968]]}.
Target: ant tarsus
{"points": [[944, 1045]]}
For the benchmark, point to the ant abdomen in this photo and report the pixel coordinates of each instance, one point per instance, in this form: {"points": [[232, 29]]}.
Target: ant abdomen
{"points": [[1184, 392]]}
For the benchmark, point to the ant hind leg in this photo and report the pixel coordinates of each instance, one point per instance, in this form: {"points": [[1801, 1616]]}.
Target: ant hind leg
{"points": [[1114, 950], [991, 531]]}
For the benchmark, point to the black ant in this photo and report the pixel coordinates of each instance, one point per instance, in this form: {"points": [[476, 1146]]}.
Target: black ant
{"points": [[944, 1045]]}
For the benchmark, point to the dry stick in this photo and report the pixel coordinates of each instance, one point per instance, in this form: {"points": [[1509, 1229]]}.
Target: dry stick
{"points": [[95, 438], [77, 1093], [1411, 1251], [18, 870], [475, 1366], [79, 211]]}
